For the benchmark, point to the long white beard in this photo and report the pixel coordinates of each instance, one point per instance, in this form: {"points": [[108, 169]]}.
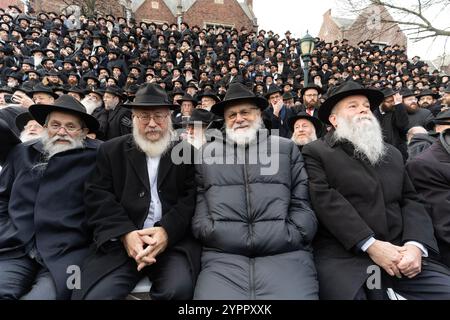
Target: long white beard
{"points": [[304, 141], [50, 148], [364, 132], [247, 136], [196, 141], [153, 149], [25, 137], [37, 61], [90, 105]]}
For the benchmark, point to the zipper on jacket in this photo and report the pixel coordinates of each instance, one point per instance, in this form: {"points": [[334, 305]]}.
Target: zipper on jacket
{"points": [[249, 208], [252, 279]]}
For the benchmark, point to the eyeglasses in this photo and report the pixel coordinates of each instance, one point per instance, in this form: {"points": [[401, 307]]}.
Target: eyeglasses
{"points": [[157, 117], [69, 128], [243, 113]]}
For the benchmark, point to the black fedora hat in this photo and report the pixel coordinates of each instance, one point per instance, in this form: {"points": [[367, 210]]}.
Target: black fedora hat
{"points": [[318, 125], [272, 90], [311, 86], [8, 140], [208, 93], [347, 89], [442, 118], [428, 92], [200, 116], [407, 93], [187, 97], [40, 88], [22, 120], [115, 90], [64, 103], [388, 92], [238, 92], [151, 96]]}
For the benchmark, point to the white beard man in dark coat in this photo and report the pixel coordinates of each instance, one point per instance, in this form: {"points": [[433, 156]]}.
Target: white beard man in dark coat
{"points": [[43, 234], [139, 205], [375, 238]]}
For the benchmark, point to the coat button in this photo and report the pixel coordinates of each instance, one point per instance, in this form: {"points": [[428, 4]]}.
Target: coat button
{"points": [[141, 194]]}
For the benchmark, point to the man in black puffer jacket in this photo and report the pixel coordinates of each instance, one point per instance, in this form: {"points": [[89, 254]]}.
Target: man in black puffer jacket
{"points": [[253, 216]]}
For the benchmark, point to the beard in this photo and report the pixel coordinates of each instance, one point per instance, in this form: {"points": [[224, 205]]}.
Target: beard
{"points": [[37, 60], [90, 105], [412, 108], [304, 140], [247, 136], [25, 137], [364, 132], [153, 149], [51, 148]]}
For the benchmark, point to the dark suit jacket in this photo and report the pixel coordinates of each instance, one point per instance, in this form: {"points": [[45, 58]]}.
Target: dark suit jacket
{"points": [[118, 198], [354, 200], [113, 123], [430, 174]]}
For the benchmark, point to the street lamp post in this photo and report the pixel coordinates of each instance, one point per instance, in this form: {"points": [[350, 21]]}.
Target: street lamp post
{"points": [[307, 44]]}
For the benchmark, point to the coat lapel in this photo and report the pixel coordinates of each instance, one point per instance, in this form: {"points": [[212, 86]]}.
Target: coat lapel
{"points": [[139, 164]]}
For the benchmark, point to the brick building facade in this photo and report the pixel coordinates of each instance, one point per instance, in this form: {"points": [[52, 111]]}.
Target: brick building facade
{"points": [[204, 13], [369, 25]]}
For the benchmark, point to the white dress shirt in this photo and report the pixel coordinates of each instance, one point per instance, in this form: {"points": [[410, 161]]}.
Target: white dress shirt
{"points": [[155, 209]]}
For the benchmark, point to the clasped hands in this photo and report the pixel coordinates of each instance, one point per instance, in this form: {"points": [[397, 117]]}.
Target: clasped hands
{"points": [[145, 245], [395, 260]]}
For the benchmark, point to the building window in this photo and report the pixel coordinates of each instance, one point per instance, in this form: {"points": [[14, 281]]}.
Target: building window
{"points": [[218, 1], [155, 5]]}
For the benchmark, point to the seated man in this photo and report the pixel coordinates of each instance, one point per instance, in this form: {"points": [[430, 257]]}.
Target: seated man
{"points": [[430, 174], [29, 128], [371, 218], [43, 232], [253, 215], [139, 206], [305, 129], [197, 125]]}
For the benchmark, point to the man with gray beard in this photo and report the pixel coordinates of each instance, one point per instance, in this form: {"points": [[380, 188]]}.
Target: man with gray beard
{"points": [[139, 205], [305, 129], [375, 238], [43, 233], [253, 216]]}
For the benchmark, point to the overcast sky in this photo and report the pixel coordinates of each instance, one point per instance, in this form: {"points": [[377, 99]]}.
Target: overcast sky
{"points": [[298, 16]]}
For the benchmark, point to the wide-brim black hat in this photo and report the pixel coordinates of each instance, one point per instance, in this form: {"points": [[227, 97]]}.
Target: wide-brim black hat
{"points": [[347, 89], [22, 120], [318, 125], [442, 118], [40, 88], [387, 92], [64, 103], [311, 86], [238, 92], [428, 92], [200, 116], [9, 140], [151, 96], [210, 94], [272, 90], [187, 97]]}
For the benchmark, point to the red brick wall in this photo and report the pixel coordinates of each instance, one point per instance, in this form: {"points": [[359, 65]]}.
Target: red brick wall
{"points": [[329, 30], [145, 11], [229, 13]]}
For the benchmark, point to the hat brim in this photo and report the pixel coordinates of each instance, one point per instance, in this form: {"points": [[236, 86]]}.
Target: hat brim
{"points": [[375, 98], [318, 125], [22, 120], [41, 111], [219, 108], [150, 105], [54, 95]]}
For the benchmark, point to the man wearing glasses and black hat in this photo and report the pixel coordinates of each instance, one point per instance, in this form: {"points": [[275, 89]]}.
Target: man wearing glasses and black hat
{"points": [[139, 205], [44, 231]]}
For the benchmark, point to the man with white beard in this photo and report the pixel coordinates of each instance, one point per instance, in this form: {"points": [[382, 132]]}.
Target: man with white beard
{"points": [[93, 100], [255, 225], [305, 129], [43, 233], [139, 205], [374, 229], [29, 128]]}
